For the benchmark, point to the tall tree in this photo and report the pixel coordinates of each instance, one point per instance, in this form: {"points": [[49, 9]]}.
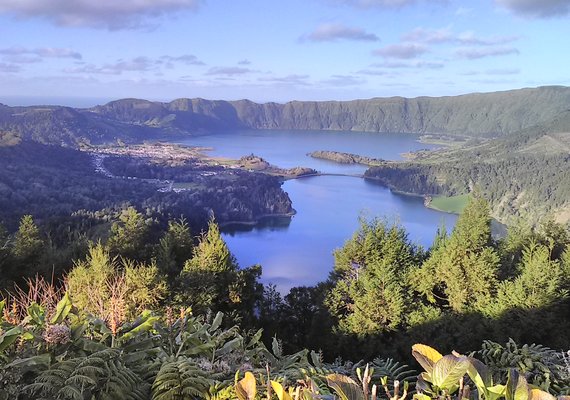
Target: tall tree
{"points": [[128, 235], [211, 279], [174, 248], [463, 273], [369, 293], [27, 248]]}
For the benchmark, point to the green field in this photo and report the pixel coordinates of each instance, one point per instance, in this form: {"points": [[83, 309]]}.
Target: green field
{"points": [[452, 204]]}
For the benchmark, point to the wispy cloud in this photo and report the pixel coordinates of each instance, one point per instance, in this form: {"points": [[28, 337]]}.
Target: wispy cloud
{"points": [[188, 59], [384, 3], [445, 35], [503, 71], [138, 64], [288, 79], [10, 68], [344, 80], [110, 14], [334, 32], [401, 51], [537, 8], [470, 38], [482, 52], [39, 53], [409, 64], [245, 61], [228, 71]]}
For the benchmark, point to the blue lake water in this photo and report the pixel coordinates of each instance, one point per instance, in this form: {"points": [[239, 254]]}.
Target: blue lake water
{"points": [[299, 251]]}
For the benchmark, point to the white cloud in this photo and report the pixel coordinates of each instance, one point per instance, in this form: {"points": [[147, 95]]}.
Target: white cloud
{"points": [[228, 71], [41, 52], [334, 32], [401, 51], [110, 14], [537, 8], [475, 53]]}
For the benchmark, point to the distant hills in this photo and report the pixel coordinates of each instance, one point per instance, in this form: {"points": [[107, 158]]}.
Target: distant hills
{"points": [[480, 115]]}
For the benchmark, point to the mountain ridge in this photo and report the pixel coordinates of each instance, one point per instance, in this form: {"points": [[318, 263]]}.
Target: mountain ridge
{"points": [[476, 114]]}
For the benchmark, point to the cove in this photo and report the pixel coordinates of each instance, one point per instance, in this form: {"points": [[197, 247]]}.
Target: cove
{"points": [[298, 251]]}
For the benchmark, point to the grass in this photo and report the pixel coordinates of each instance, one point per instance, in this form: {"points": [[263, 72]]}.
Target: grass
{"points": [[452, 204]]}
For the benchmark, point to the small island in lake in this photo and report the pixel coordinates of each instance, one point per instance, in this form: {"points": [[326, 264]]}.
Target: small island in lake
{"points": [[347, 158]]}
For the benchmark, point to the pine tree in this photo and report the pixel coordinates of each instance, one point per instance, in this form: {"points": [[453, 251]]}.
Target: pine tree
{"points": [[128, 235], [206, 278], [174, 248], [464, 271], [369, 293], [27, 247]]}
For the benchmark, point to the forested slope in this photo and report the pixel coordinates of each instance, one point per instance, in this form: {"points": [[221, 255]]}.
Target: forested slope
{"points": [[478, 114]]}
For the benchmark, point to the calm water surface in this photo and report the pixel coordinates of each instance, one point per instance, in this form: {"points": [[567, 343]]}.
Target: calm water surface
{"points": [[299, 250]]}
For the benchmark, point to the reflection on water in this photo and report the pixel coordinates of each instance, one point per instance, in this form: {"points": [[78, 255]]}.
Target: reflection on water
{"points": [[264, 224], [298, 250], [328, 208]]}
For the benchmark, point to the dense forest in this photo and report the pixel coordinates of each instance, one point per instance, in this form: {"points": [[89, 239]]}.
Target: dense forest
{"points": [[152, 310], [52, 181], [524, 176]]}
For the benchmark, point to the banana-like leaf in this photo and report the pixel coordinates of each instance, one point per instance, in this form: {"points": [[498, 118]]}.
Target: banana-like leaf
{"points": [[279, 391], [217, 321], [36, 363], [537, 394], [9, 337], [37, 313], [229, 346], [448, 370], [495, 392], [479, 373], [517, 387], [246, 389], [345, 387], [62, 309], [143, 324], [426, 356], [2, 305]]}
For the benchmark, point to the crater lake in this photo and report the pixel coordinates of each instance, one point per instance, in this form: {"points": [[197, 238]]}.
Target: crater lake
{"points": [[298, 250]]}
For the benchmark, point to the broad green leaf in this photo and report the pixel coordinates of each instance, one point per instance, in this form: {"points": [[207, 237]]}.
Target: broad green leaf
{"points": [[276, 348], [479, 373], [345, 387], [62, 310], [145, 324], [9, 337], [279, 391], [2, 305], [229, 346], [37, 313], [448, 370], [517, 387], [421, 396], [246, 389], [497, 390], [537, 394], [426, 356], [217, 321], [36, 363]]}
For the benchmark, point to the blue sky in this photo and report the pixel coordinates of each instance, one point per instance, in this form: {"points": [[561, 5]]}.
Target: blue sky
{"points": [[83, 52]]}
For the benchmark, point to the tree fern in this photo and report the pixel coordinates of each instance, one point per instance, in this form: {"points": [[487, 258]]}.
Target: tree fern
{"points": [[99, 376], [180, 379], [540, 365]]}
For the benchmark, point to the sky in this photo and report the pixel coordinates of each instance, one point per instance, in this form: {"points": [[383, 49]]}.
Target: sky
{"points": [[86, 52]]}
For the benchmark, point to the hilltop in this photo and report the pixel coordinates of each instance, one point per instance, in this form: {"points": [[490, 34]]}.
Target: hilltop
{"points": [[475, 115]]}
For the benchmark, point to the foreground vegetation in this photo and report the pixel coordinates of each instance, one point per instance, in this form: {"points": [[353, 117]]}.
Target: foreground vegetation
{"points": [[137, 314]]}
